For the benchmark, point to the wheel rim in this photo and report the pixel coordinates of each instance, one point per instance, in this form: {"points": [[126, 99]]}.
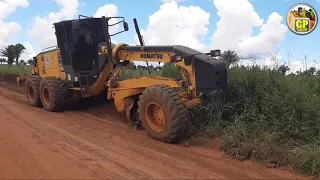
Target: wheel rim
{"points": [[155, 117], [46, 96], [30, 93]]}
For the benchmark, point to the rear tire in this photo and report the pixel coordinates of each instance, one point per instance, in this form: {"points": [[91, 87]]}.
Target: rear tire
{"points": [[163, 114], [32, 86], [53, 94]]}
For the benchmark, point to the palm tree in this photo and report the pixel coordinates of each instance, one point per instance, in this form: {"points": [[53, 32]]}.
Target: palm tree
{"points": [[19, 49], [10, 53], [230, 57], [283, 69]]}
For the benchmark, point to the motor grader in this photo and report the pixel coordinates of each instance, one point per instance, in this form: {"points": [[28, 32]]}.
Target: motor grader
{"points": [[86, 63]]}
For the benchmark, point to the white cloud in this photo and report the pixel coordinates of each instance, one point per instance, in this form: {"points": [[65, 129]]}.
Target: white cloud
{"points": [[188, 26], [9, 6], [296, 66], [9, 29], [109, 10], [276, 60], [235, 29], [301, 66], [29, 53], [174, 24], [272, 61], [42, 28]]}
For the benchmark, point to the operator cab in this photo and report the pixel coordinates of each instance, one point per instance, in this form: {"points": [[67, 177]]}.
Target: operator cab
{"points": [[80, 44]]}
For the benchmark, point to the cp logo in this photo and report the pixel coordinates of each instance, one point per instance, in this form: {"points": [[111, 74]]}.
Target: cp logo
{"points": [[302, 19], [302, 25]]}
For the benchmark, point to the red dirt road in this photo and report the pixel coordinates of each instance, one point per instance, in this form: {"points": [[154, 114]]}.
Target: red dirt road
{"points": [[38, 144]]}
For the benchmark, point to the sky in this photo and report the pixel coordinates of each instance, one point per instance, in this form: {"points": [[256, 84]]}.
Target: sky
{"points": [[255, 29]]}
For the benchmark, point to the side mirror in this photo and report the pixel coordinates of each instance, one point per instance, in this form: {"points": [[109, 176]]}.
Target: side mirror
{"points": [[125, 26]]}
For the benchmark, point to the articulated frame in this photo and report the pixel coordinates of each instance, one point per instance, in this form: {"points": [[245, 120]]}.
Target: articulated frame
{"points": [[123, 91]]}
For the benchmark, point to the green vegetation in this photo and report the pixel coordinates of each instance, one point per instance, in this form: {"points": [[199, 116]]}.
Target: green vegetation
{"points": [[15, 70], [268, 117], [13, 53]]}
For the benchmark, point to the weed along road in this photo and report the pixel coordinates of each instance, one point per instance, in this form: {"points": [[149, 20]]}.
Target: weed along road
{"points": [[35, 143]]}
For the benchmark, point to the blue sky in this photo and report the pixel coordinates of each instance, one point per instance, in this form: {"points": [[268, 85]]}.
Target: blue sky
{"points": [[142, 9]]}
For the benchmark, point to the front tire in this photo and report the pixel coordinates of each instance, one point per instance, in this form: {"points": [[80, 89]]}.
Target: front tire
{"points": [[163, 114], [32, 86], [53, 94]]}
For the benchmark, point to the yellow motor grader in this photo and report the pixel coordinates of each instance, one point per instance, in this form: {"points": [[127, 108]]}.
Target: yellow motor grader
{"points": [[86, 63]]}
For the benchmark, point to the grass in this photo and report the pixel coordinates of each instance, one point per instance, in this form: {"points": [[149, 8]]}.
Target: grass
{"points": [[15, 70], [268, 117]]}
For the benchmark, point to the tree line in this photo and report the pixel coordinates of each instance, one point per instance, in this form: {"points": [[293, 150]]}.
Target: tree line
{"points": [[231, 58], [12, 53]]}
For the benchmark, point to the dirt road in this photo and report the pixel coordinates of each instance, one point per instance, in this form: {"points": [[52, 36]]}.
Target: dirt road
{"points": [[38, 144]]}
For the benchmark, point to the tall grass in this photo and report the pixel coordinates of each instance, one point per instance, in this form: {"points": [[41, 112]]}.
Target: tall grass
{"points": [[270, 117], [15, 70]]}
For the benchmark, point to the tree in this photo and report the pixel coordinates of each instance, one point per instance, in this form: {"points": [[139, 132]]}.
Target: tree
{"points": [[30, 61], [151, 67], [3, 60], [139, 67], [19, 49], [312, 70], [283, 69], [318, 72], [10, 53], [230, 57], [22, 63]]}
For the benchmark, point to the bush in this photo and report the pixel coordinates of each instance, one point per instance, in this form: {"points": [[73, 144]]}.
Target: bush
{"points": [[170, 70], [268, 115], [308, 158]]}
